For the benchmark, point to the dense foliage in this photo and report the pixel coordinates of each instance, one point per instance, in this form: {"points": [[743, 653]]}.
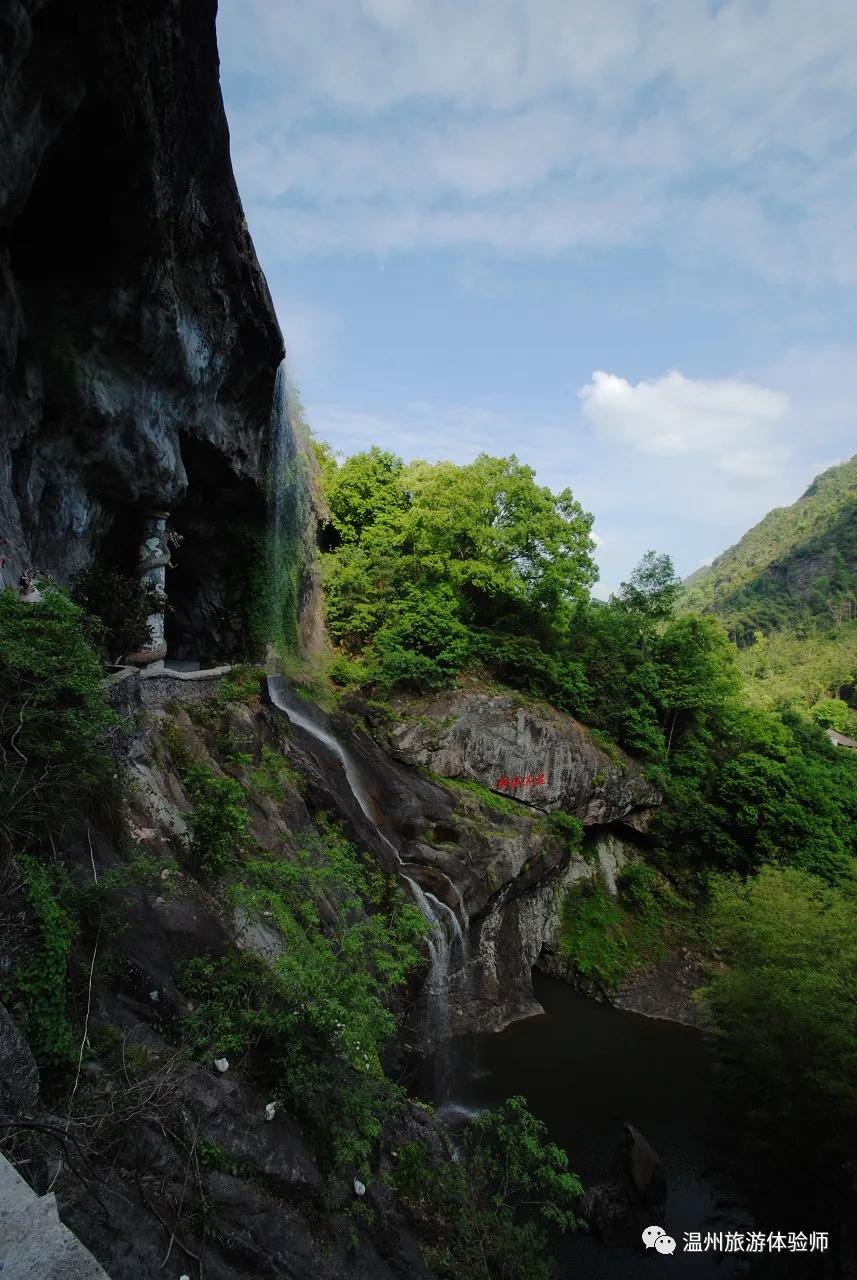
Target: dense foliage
{"points": [[509, 1191], [604, 939], [440, 566], [52, 717], [725, 688], [800, 560], [783, 1021], [316, 1015], [122, 603], [787, 593]]}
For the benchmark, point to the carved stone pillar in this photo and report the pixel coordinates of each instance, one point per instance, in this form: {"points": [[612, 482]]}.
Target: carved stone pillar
{"points": [[154, 558]]}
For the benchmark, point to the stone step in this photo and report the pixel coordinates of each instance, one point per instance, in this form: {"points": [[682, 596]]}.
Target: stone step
{"points": [[34, 1244]]}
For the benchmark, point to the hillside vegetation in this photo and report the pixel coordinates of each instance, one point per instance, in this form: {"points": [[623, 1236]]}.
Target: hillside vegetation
{"points": [[787, 595], [434, 571], [796, 565]]}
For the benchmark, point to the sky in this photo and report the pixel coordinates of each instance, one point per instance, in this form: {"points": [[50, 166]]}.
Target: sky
{"points": [[617, 238]]}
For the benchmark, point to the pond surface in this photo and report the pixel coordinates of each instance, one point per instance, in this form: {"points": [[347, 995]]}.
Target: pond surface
{"points": [[586, 1068]]}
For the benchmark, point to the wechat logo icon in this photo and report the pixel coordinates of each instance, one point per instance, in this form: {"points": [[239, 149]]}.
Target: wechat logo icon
{"points": [[657, 1238]]}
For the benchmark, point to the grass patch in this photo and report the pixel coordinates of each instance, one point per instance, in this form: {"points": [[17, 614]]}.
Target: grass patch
{"points": [[485, 796], [604, 941]]}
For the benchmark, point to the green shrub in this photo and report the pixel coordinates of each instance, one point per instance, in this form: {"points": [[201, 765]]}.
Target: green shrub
{"points": [[53, 717], [242, 684], [832, 713], [219, 822], [272, 775], [501, 1204], [317, 1014], [641, 889], [422, 644], [349, 673], [564, 827], [122, 603], [593, 940], [491, 799], [41, 982]]}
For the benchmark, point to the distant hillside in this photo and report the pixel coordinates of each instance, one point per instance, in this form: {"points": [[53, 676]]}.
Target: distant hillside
{"points": [[797, 567]]}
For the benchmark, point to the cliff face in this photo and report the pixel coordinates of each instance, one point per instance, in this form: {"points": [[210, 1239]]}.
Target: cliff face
{"points": [[138, 342], [477, 835]]}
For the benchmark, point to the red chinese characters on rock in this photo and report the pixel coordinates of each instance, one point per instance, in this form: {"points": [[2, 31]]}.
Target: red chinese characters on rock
{"points": [[519, 780]]}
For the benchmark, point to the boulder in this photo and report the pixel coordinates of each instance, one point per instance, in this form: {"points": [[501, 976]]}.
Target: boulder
{"points": [[644, 1168], [523, 749], [19, 1075], [619, 1209]]}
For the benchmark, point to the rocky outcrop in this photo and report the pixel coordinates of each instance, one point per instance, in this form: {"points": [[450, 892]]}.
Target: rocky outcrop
{"points": [[524, 749], [169, 1156], [500, 866], [667, 990], [500, 862], [19, 1075], [619, 1209], [138, 342]]}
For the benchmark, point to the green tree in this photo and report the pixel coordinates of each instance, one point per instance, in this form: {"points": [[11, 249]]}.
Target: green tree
{"points": [[364, 490], [696, 672], [508, 1194], [832, 713], [782, 1020], [439, 565], [651, 592]]}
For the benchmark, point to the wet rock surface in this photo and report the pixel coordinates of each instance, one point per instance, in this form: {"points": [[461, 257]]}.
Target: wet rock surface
{"points": [[496, 864]]}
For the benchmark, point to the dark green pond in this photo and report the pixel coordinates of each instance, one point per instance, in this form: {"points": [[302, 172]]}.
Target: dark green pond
{"points": [[586, 1068]]}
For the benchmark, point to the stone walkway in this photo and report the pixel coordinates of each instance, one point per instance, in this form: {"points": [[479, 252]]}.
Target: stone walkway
{"points": [[34, 1244]]}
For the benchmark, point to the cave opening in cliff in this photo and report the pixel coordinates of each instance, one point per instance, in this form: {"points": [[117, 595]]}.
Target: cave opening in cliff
{"points": [[214, 582]]}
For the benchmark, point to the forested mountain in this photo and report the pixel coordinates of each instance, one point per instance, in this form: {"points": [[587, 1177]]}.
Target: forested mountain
{"points": [[787, 594], [797, 564]]}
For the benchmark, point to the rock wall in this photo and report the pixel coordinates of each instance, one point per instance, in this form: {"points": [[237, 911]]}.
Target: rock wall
{"points": [[497, 863], [528, 750], [138, 341]]}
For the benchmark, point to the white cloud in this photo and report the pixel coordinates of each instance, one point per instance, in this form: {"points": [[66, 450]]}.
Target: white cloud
{"points": [[538, 125], [734, 426], [676, 464]]}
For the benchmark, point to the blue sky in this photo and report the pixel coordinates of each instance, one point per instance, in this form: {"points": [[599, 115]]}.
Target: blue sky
{"points": [[615, 237]]}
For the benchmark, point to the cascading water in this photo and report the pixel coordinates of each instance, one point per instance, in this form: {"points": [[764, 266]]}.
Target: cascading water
{"points": [[281, 454], [447, 940], [288, 514]]}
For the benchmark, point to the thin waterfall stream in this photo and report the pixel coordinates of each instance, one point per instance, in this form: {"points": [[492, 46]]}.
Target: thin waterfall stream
{"points": [[447, 938]]}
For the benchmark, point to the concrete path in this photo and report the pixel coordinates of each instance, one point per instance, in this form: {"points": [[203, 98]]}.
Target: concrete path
{"points": [[34, 1244]]}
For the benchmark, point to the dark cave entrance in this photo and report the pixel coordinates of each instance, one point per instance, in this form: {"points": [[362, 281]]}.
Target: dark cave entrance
{"points": [[215, 587]]}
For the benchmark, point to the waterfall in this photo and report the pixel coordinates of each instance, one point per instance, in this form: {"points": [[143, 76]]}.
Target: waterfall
{"points": [[281, 454], [447, 938], [288, 513]]}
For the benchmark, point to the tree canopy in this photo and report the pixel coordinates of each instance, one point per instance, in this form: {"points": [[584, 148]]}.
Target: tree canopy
{"points": [[434, 557]]}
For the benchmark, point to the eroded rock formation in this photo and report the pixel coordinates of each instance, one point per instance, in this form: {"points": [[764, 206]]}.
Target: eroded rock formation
{"points": [[498, 863], [138, 342], [530, 751]]}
